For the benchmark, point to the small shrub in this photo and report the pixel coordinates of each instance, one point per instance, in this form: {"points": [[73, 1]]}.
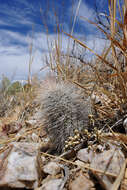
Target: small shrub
{"points": [[14, 88]]}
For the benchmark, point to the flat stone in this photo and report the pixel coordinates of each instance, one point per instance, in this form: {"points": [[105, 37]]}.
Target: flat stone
{"points": [[20, 166], [53, 184], [85, 155], [52, 168], [109, 161], [81, 182]]}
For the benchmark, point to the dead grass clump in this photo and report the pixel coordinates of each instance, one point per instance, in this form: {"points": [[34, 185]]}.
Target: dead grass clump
{"points": [[110, 68]]}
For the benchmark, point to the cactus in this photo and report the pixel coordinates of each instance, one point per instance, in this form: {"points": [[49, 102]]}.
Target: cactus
{"points": [[62, 110]]}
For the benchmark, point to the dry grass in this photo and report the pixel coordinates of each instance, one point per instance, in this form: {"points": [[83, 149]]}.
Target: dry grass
{"points": [[106, 76]]}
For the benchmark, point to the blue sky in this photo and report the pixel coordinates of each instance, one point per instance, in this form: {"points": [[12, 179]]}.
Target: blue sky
{"points": [[22, 22]]}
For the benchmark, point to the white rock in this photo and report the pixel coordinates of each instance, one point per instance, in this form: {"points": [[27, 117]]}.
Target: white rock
{"points": [[20, 167], [109, 161], [85, 155], [53, 184], [52, 168]]}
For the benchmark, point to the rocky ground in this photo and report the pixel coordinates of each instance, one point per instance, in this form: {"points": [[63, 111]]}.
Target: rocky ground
{"points": [[97, 162]]}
